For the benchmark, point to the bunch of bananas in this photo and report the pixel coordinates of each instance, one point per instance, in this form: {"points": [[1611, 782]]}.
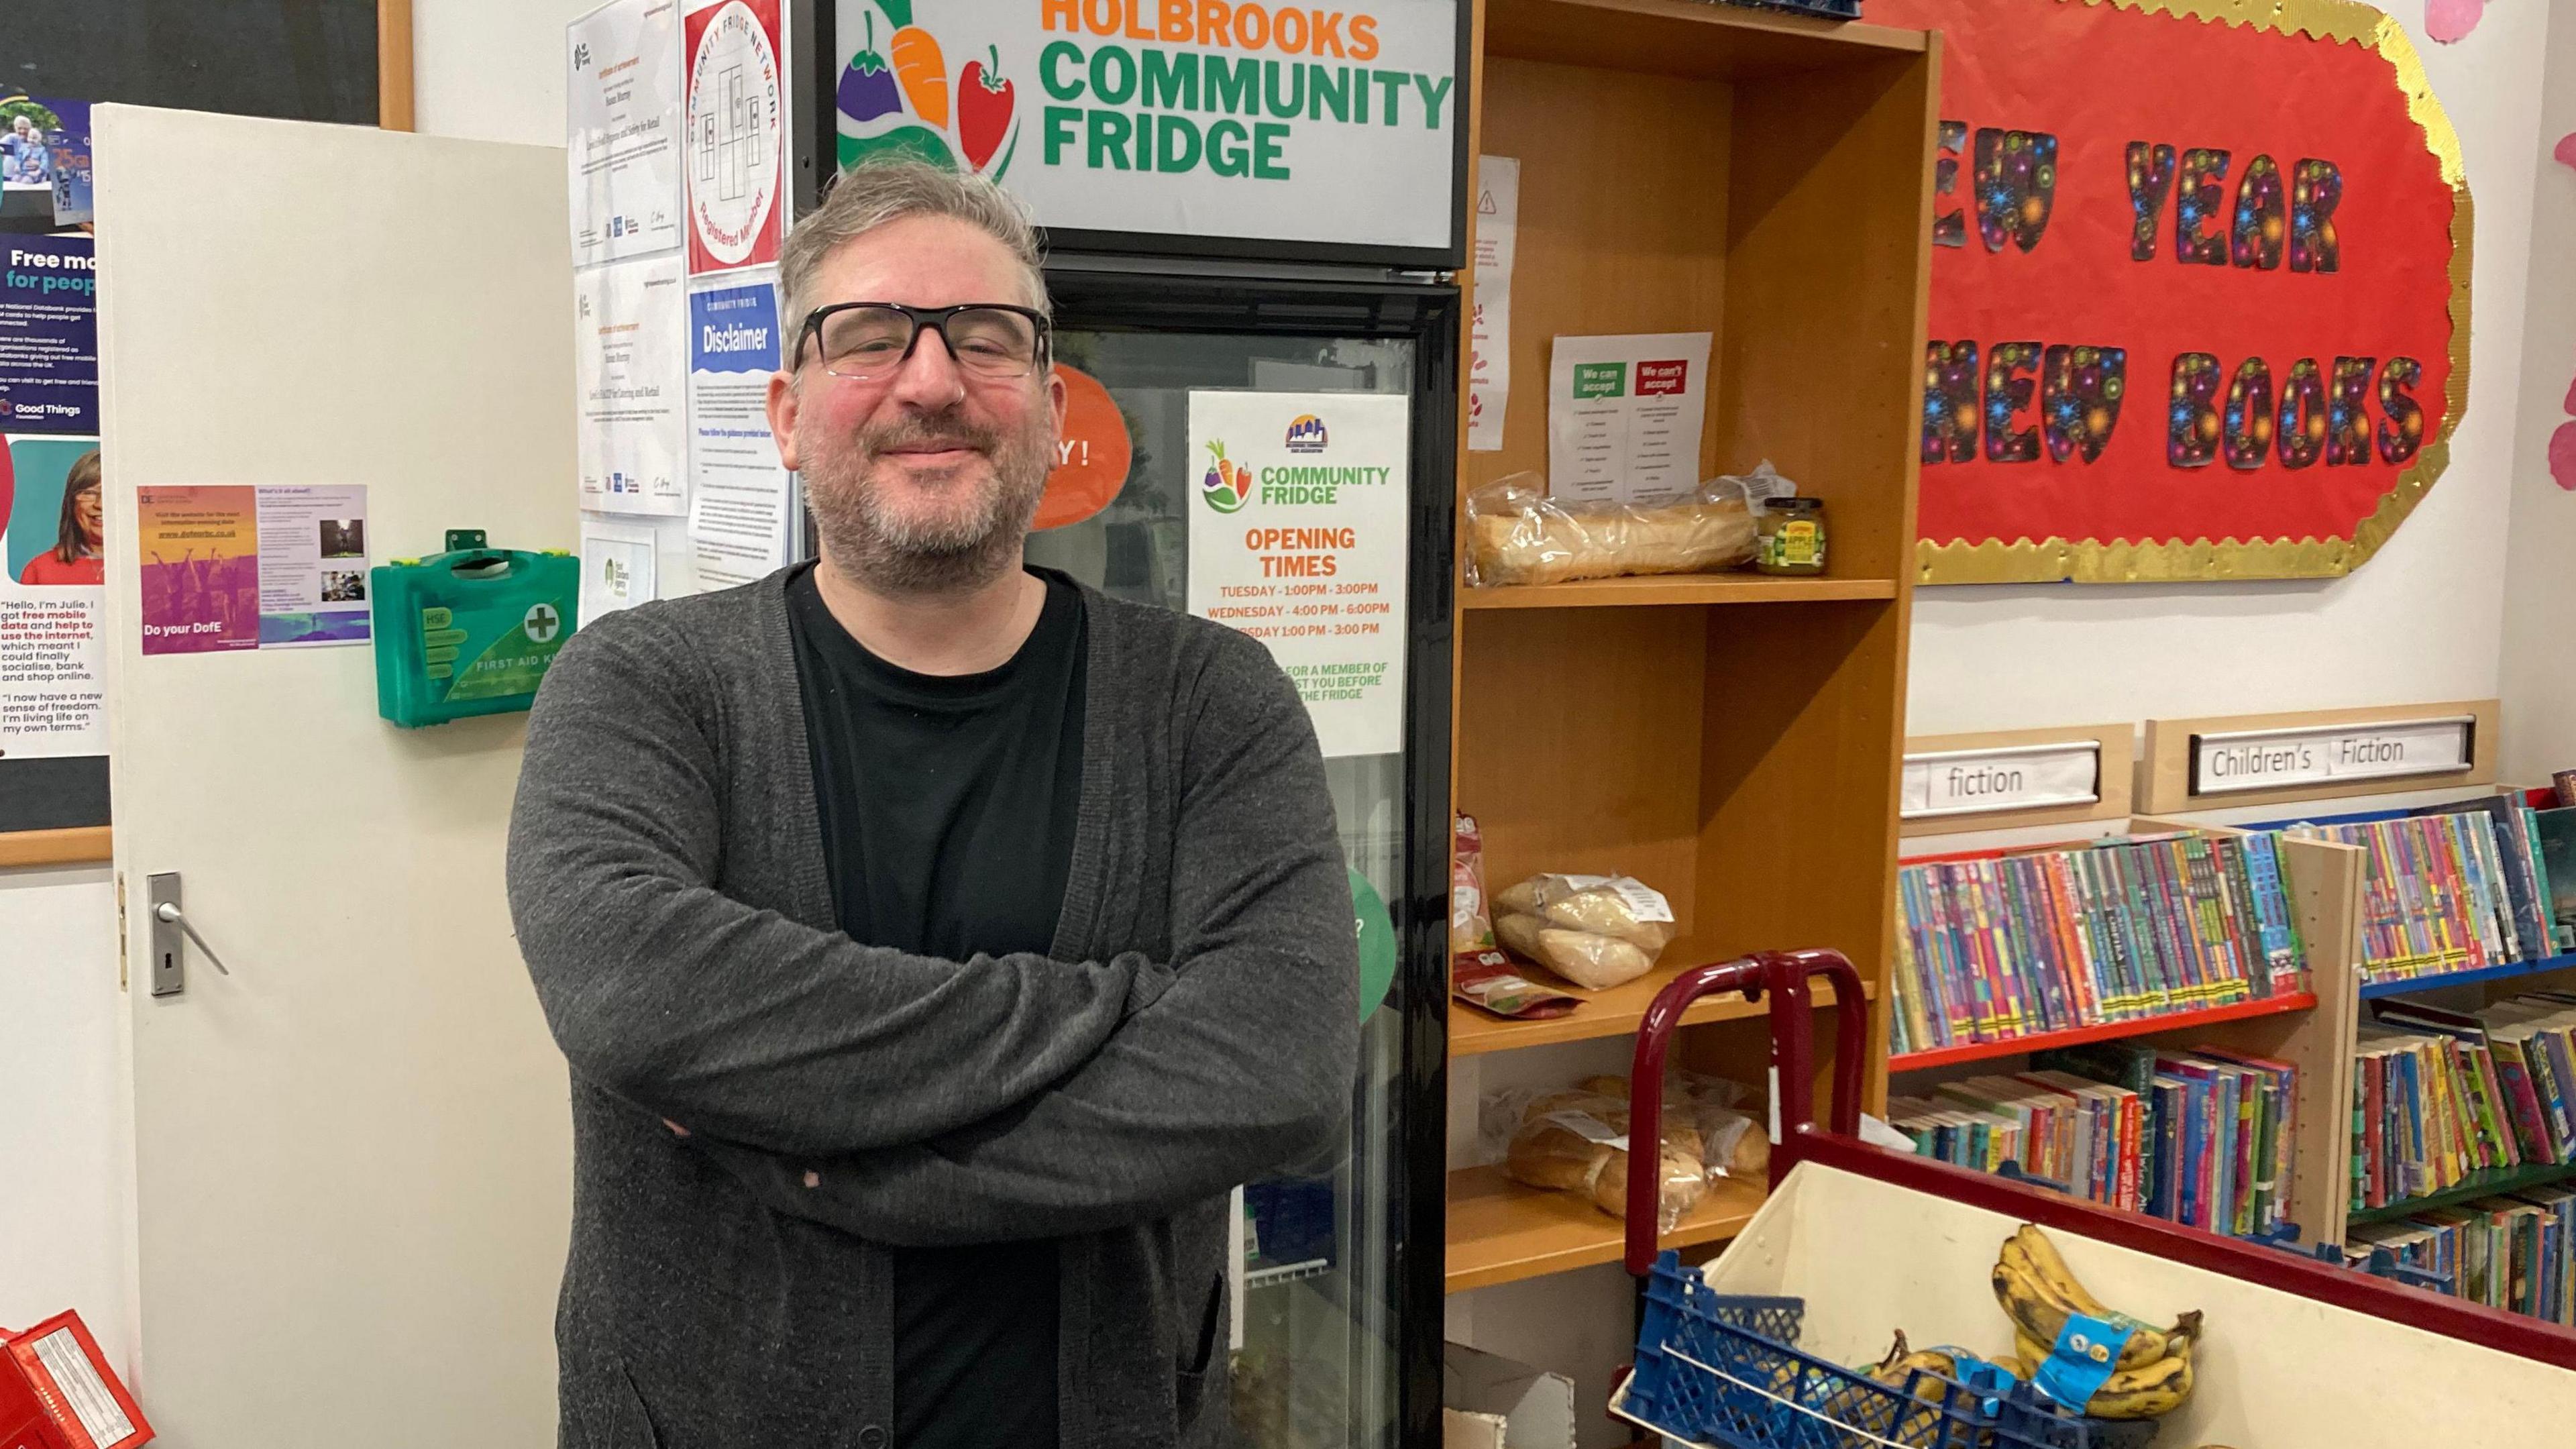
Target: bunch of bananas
{"points": [[1902, 1360], [2039, 1293]]}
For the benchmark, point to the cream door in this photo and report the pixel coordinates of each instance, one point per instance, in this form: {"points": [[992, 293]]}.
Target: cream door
{"points": [[351, 1154]]}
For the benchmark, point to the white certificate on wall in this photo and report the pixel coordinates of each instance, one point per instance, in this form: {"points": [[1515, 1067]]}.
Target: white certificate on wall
{"points": [[631, 363], [1297, 538], [1624, 416], [622, 129]]}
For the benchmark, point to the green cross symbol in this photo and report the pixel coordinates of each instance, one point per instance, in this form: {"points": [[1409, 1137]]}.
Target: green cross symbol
{"points": [[542, 622]]}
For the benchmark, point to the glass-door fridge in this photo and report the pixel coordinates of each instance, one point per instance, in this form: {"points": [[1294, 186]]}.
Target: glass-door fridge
{"points": [[1338, 1312]]}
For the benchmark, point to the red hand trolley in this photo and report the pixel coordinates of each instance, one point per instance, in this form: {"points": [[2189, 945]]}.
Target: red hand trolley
{"points": [[2303, 1354]]}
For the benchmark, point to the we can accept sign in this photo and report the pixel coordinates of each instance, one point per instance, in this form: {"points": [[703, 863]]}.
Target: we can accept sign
{"points": [[2199, 289], [1300, 123]]}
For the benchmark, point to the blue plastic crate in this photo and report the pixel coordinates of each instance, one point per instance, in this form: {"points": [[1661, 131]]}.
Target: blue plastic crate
{"points": [[1726, 1371]]}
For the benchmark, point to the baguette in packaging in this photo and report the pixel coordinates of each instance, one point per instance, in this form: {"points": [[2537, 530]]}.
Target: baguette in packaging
{"points": [[1517, 534]]}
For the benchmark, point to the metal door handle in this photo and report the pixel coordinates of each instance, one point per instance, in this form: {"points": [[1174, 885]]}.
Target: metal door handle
{"points": [[179, 918], [169, 923]]}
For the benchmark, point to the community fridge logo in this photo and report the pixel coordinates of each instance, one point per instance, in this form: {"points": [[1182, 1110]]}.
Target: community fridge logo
{"points": [[1227, 483], [898, 101], [1306, 434]]}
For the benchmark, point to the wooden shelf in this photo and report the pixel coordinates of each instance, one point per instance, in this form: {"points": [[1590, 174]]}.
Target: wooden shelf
{"points": [[1686, 38], [1670, 589], [1615, 1012], [1501, 1232], [2409, 985], [2483, 1183], [2108, 1031]]}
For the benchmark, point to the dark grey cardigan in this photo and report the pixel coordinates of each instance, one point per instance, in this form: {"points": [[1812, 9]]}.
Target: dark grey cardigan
{"points": [[1194, 1028]]}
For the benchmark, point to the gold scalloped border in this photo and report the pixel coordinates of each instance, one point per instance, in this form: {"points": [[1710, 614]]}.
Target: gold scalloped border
{"points": [[2120, 561]]}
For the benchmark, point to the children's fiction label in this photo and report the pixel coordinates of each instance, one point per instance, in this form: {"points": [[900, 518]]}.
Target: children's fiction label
{"points": [[2328, 754], [1987, 782]]}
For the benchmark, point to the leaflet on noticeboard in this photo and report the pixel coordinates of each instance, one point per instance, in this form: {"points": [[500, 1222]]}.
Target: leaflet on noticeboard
{"points": [[1250, 121]]}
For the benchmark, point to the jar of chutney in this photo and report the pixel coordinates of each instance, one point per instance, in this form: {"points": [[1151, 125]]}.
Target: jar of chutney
{"points": [[1790, 536]]}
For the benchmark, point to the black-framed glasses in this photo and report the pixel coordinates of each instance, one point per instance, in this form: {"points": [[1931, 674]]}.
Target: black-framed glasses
{"points": [[863, 341]]}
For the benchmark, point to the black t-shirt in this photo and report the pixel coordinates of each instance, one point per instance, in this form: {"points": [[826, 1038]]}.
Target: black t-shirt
{"points": [[947, 806]]}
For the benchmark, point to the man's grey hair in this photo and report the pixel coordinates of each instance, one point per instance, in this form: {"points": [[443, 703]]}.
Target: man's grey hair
{"points": [[880, 192]]}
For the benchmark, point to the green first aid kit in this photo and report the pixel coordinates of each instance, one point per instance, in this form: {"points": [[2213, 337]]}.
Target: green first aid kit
{"points": [[469, 631]]}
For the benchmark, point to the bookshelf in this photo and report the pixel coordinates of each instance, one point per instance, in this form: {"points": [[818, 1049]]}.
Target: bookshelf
{"points": [[2483, 1183], [2311, 1030], [1732, 740], [2164, 1023], [2483, 976]]}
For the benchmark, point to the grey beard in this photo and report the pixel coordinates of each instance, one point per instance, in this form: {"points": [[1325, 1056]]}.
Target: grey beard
{"points": [[889, 556]]}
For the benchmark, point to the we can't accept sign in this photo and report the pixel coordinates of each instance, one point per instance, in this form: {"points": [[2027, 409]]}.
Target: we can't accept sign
{"points": [[1327, 122], [2199, 289]]}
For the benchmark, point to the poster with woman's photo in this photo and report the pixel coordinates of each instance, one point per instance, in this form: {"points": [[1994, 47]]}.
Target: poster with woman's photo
{"points": [[51, 597]]}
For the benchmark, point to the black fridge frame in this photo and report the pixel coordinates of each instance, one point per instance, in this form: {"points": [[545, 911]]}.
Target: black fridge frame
{"points": [[1098, 298]]}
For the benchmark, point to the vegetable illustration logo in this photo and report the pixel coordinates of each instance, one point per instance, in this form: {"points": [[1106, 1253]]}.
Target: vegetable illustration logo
{"points": [[898, 101], [1227, 483]]}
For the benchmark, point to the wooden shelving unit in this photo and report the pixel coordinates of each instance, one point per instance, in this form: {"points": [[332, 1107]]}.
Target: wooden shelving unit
{"points": [[1683, 589], [1615, 1012], [1500, 1231], [1732, 740]]}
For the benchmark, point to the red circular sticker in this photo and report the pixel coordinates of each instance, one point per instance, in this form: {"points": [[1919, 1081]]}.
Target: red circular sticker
{"points": [[1091, 456]]}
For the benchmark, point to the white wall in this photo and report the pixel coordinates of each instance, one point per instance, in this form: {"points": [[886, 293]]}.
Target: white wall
{"points": [[2418, 622], [2540, 593], [62, 1139], [491, 70]]}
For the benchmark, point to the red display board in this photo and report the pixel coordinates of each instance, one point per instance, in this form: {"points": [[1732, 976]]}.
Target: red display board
{"points": [[2199, 290]]}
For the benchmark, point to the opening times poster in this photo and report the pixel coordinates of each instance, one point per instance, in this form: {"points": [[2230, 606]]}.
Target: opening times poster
{"points": [[1297, 538], [622, 85], [252, 567], [52, 703]]}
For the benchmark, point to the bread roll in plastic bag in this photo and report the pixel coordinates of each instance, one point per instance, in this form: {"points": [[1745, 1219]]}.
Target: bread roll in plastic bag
{"points": [[1700, 1112], [1577, 1141], [1587, 960], [1605, 905], [1682, 1181], [1517, 534], [1562, 1140]]}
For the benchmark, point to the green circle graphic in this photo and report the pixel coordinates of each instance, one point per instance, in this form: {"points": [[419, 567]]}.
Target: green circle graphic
{"points": [[1377, 943]]}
